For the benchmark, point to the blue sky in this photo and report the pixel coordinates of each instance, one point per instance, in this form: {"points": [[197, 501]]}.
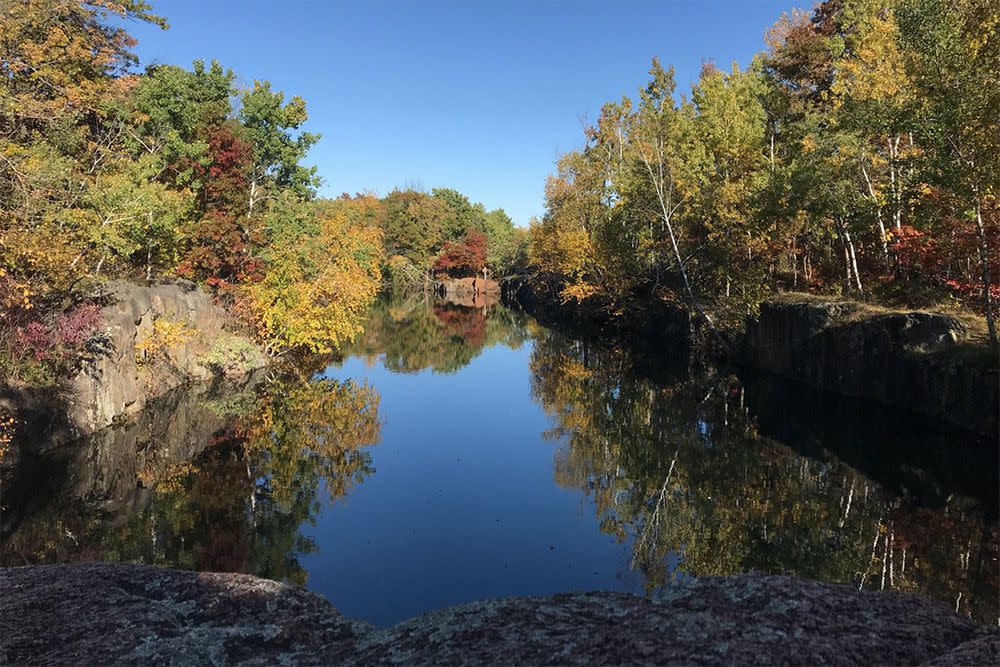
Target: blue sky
{"points": [[479, 96]]}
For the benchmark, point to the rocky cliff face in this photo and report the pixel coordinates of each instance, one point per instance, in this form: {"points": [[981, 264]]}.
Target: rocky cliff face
{"points": [[155, 339], [908, 360], [130, 614]]}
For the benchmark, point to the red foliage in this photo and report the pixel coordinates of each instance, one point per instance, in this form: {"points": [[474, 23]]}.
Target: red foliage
{"points": [[949, 257], [916, 252], [62, 338], [217, 252], [226, 178], [463, 259]]}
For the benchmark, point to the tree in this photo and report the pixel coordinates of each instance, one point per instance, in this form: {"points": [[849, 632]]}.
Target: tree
{"points": [[463, 214], [730, 126], [663, 143], [321, 273], [955, 52], [61, 65], [501, 241], [137, 218], [172, 109], [467, 258], [269, 124], [414, 226]]}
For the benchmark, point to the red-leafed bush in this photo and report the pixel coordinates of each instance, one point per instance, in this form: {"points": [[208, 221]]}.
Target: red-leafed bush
{"points": [[225, 179], [463, 259], [60, 340], [948, 259]]}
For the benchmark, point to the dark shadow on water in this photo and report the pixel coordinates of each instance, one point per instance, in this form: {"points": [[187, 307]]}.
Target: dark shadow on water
{"points": [[908, 453]]}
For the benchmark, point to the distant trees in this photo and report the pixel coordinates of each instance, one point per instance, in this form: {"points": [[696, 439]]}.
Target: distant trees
{"points": [[856, 155], [463, 258], [445, 232]]}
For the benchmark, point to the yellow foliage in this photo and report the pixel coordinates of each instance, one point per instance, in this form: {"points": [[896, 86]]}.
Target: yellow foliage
{"points": [[165, 335], [318, 288], [7, 428], [578, 291]]}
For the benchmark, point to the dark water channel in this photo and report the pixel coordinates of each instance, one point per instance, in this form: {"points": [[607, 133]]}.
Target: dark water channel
{"points": [[455, 454]]}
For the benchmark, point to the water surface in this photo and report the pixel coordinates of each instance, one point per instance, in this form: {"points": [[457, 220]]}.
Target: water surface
{"points": [[455, 454]]}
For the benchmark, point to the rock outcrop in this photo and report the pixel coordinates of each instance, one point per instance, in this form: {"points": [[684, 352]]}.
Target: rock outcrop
{"points": [[130, 614], [469, 292], [155, 338], [910, 360]]}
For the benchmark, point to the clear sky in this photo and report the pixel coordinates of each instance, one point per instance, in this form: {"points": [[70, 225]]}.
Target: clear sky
{"points": [[475, 95]]}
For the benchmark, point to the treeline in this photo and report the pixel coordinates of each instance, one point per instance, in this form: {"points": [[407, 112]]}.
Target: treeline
{"points": [[443, 233], [857, 155], [108, 173]]}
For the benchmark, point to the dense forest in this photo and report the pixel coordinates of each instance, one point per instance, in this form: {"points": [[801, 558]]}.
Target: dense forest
{"points": [[110, 173], [857, 155]]}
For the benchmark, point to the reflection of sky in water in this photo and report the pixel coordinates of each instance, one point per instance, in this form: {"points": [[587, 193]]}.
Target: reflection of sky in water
{"points": [[462, 504], [476, 491]]}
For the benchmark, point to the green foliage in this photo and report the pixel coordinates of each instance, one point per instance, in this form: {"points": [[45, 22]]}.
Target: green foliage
{"points": [[462, 216], [415, 226], [269, 123], [865, 125], [171, 107]]}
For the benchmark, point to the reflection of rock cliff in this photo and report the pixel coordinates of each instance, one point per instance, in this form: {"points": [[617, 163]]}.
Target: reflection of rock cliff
{"points": [[127, 614], [209, 478], [106, 479]]}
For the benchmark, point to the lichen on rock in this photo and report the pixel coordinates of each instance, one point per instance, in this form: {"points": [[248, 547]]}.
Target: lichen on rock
{"points": [[96, 613]]}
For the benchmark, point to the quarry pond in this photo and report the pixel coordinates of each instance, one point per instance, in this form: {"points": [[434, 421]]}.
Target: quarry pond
{"points": [[454, 454]]}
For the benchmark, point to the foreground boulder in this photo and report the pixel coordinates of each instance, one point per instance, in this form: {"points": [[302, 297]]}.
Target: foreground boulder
{"points": [[130, 614]]}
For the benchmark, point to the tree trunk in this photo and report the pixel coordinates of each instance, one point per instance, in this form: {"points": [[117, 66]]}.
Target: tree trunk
{"points": [[878, 214], [850, 257], [984, 258], [854, 262]]}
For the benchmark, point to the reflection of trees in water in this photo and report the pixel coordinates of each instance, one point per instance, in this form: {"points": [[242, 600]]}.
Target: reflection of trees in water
{"points": [[680, 470], [417, 332], [236, 505]]}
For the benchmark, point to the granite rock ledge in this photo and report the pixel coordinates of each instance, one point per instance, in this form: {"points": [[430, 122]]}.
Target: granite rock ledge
{"points": [[96, 613]]}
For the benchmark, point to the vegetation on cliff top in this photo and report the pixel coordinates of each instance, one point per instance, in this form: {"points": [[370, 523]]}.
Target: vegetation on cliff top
{"points": [[857, 154]]}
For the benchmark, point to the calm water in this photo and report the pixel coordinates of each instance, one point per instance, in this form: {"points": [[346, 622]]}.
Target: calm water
{"points": [[456, 454]]}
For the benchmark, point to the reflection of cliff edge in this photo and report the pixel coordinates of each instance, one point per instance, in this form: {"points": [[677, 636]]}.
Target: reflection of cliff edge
{"points": [[113, 471]]}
